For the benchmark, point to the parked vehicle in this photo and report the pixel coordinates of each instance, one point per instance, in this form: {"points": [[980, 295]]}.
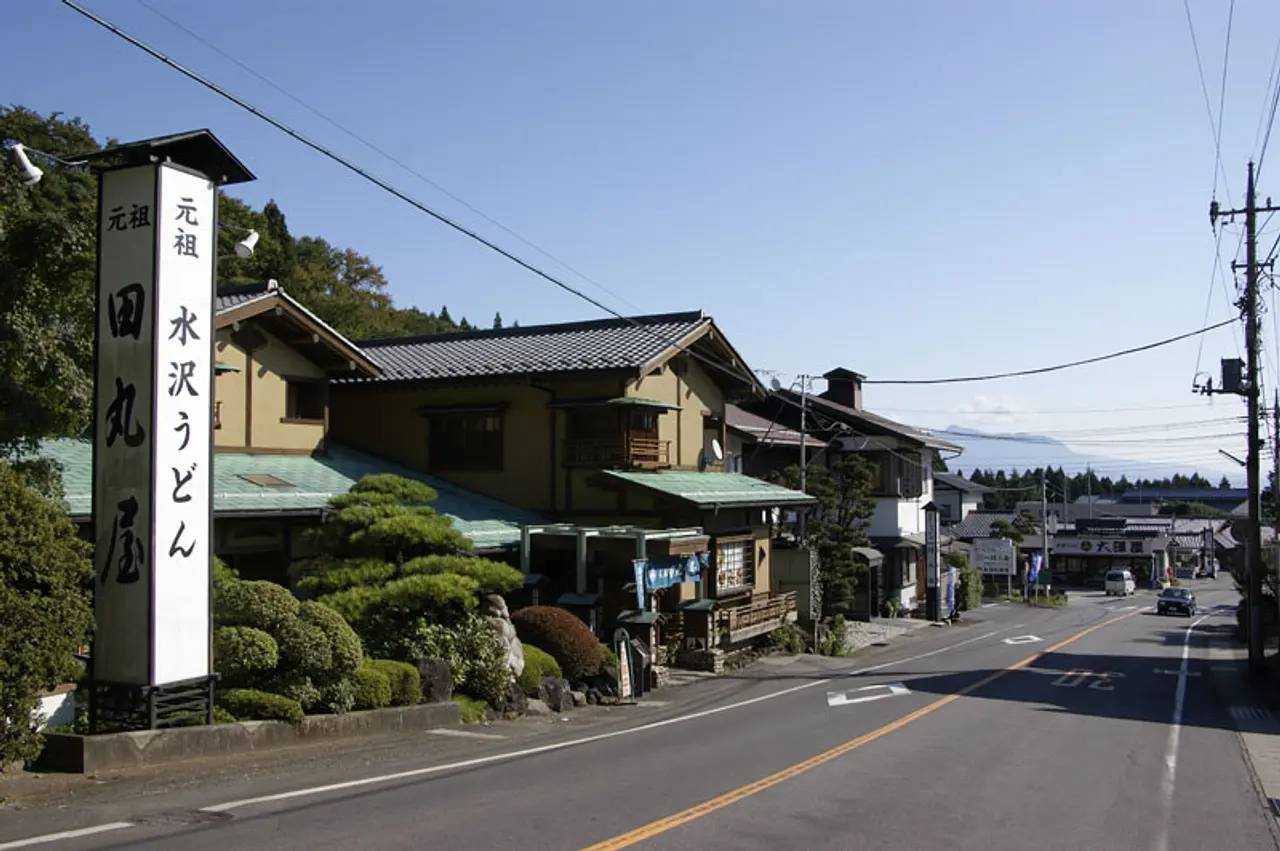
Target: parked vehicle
{"points": [[1120, 583], [1175, 600]]}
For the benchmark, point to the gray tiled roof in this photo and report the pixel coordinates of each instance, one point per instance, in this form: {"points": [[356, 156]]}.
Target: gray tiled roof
{"points": [[765, 431], [605, 344], [859, 415], [234, 296], [977, 524], [960, 483]]}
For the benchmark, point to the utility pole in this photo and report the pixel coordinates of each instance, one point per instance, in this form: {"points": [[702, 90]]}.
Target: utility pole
{"points": [[1253, 540], [1044, 526], [1088, 483], [804, 455]]}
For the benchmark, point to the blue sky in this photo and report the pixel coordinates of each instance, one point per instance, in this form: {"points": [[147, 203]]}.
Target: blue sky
{"points": [[910, 190]]}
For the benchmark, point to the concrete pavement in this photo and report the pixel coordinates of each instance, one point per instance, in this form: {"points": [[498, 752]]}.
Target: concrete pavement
{"points": [[959, 736]]}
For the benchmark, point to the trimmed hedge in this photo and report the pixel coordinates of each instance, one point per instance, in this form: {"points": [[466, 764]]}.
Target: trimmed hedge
{"points": [[405, 681], [372, 688], [260, 604], [345, 654], [538, 663], [569, 641], [239, 652], [248, 704]]}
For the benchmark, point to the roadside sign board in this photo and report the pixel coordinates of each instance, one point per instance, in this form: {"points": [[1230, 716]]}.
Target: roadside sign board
{"points": [[995, 556]]}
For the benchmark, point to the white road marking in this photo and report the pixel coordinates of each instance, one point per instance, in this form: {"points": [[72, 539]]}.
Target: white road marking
{"points": [[1023, 639], [599, 737], [1124, 608], [502, 757], [841, 698], [1176, 673], [647, 702], [989, 605], [66, 834], [463, 734], [1175, 730]]}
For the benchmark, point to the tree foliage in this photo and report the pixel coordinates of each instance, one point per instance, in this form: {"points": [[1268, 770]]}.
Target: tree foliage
{"points": [[48, 267], [394, 567], [1016, 486], [45, 584], [47, 273], [845, 508]]}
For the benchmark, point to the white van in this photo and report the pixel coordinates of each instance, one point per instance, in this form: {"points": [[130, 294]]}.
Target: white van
{"points": [[1120, 582]]}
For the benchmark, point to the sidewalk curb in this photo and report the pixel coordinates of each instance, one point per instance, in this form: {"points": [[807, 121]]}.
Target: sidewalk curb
{"points": [[1257, 735]]}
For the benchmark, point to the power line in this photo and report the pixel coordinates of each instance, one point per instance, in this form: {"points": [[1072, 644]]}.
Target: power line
{"points": [[1215, 127], [1057, 367], [408, 199], [371, 146], [1047, 441], [1055, 412]]}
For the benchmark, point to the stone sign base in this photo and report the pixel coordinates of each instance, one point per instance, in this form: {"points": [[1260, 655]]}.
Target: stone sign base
{"points": [[112, 751]]}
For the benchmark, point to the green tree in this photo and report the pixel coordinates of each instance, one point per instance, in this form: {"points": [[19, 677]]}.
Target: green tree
{"points": [[1224, 484], [45, 585], [47, 273], [939, 463], [497, 320], [844, 512], [396, 569]]}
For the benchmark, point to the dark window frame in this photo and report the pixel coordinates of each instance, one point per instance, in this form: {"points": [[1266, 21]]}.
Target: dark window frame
{"points": [[466, 442], [293, 413]]}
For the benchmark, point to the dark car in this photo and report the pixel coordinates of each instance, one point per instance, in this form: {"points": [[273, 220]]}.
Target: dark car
{"points": [[1176, 601]]}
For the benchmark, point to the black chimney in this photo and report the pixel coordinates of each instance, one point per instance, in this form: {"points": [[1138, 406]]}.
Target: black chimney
{"points": [[844, 387]]}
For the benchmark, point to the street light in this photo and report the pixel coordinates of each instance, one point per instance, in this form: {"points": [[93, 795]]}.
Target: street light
{"points": [[245, 247], [31, 173]]}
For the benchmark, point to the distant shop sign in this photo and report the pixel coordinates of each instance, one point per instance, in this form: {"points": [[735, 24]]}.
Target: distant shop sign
{"points": [[996, 556], [1102, 546]]}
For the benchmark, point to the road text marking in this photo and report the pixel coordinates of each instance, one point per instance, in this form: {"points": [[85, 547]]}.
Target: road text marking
{"points": [[842, 698], [626, 840], [1023, 639], [1177, 673]]}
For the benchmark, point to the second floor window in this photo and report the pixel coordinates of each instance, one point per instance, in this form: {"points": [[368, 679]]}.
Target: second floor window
{"points": [[466, 442], [304, 400]]}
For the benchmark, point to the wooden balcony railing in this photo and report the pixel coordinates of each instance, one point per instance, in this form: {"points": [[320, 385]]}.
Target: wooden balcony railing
{"points": [[761, 615], [643, 452]]}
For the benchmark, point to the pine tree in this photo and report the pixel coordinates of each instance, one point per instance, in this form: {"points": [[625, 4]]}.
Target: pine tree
{"points": [[497, 321]]}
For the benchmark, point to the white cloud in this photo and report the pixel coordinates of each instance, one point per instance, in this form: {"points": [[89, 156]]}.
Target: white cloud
{"points": [[991, 409]]}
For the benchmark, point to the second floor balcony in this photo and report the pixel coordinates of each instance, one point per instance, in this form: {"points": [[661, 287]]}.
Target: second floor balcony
{"points": [[628, 452]]}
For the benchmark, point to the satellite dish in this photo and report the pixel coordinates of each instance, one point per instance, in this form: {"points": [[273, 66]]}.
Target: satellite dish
{"points": [[717, 450]]}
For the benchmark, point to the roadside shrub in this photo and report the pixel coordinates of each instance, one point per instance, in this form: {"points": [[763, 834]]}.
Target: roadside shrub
{"points": [[472, 710], [253, 705], [609, 659], [836, 640], [295, 686], [304, 648], [404, 679], [971, 586], [336, 697], [345, 654], [372, 688], [222, 716], [537, 664], [241, 652], [787, 639], [45, 583], [260, 604], [569, 641], [475, 655]]}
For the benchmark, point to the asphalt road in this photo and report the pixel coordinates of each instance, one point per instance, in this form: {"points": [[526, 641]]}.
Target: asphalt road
{"points": [[1031, 728]]}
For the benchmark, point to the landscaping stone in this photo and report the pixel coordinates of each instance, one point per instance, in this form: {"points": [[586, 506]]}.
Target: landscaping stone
{"points": [[661, 676], [537, 707], [514, 701], [497, 613], [579, 698], [437, 680], [555, 693]]}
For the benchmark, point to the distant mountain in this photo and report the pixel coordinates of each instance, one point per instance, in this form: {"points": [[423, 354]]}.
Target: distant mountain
{"points": [[1023, 450]]}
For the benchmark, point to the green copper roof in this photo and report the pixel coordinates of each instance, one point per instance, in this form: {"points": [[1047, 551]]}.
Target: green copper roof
{"points": [[708, 490], [308, 483]]}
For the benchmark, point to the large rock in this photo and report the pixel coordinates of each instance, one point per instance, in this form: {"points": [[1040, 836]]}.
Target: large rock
{"points": [[537, 707], [495, 609], [555, 693], [437, 680], [513, 701]]}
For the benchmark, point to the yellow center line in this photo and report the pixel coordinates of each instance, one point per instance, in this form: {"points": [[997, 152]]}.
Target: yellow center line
{"points": [[662, 825]]}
